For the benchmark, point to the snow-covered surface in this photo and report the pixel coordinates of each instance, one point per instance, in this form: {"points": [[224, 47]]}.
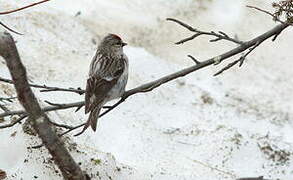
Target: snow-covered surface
{"points": [[197, 127]]}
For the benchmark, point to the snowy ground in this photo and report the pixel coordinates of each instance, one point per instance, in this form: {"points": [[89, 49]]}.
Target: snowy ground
{"points": [[197, 127]]}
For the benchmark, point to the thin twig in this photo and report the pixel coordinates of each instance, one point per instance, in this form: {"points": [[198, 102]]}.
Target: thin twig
{"points": [[252, 178], [9, 99], [219, 36], [226, 67], [13, 122], [4, 108], [69, 130], [25, 7], [50, 89], [9, 29], [212, 168], [45, 109], [267, 12], [36, 146], [243, 57], [54, 104], [240, 60], [53, 107], [61, 125], [47, 88], [194, 60]]}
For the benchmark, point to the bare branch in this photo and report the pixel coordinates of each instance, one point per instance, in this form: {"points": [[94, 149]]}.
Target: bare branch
{"points": [[240, 60], [4, 108], [70, 170], [252, 178], [267, 12], [25, 7], [190, 28], [55, 104], [75, 127], [194, 60], [46, 88], [226, 67], [45, 109], [71, 128], [13, 122], [243, 57], [219, 36], [156, 83], [9, 99], [61, 125], [9, 29], [49, 89]]}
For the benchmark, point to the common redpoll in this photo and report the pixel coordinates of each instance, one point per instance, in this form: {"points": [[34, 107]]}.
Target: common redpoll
{"points": [[108, 76]]}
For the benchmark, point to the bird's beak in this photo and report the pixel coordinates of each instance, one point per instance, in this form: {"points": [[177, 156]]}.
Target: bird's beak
{"points": [[124, 44]]}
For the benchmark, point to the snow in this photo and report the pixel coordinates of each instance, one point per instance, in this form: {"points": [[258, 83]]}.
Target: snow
{"points": [[197, 127]]}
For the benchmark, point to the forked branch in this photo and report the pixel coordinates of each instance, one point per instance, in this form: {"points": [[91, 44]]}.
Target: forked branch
{"points": [[218, 36]]}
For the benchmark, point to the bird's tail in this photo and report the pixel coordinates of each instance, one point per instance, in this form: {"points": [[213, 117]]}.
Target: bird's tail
{"points": [[92, 120]]}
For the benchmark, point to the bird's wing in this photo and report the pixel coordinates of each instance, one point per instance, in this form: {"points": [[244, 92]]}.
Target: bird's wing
{"points": [[104, 73]]}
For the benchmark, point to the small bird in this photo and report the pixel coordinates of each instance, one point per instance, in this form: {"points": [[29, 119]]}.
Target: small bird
{"points": [[107, 79]]}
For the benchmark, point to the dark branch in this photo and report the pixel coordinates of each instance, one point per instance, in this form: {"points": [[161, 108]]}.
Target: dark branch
{"points": [[218, 36], [56, 104], [4, 108], [73, 128], [194, 60], [13, 122], [61, 125], [46, 88], [267, 12], [9, 29], [243, 57], [9, 99], [252, 178], [49, 89], [41, 123], [226, 67], [240, 60], [45, 109], [25, 7]]}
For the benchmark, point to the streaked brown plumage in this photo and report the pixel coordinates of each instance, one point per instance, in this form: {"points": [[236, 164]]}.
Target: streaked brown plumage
{"points": [[108, 76]]}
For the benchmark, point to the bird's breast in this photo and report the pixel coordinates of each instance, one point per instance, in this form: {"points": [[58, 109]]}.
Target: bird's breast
{"points": [[119, 88]]}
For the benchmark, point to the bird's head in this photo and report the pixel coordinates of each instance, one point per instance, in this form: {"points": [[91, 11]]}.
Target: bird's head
{"points": [[112, 43]]}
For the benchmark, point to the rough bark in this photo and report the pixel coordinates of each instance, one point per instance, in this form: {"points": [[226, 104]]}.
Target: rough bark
{"points": [[70, 170]]}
